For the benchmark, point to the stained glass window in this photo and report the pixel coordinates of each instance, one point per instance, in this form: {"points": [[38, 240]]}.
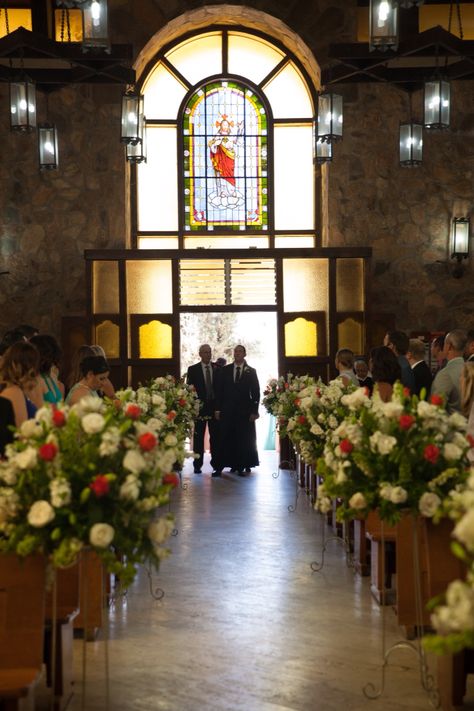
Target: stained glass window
{"points": [[225, 159]]}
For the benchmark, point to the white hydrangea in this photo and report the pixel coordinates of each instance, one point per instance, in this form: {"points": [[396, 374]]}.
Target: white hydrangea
{"points": [[155, 424], [93, 422], [429, 504], [458, 613], [398, 495], [130, 489], [110, 442], [8, 504], [60, 491], [8, 473], [134, 461], [356, 399], [392, 409], [382, 443]]}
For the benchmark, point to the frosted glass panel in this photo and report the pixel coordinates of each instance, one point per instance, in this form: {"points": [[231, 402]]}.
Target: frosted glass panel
{"points": [[198, 58], [106, 287], [305, 285], [155, 340], [158, 182], [210, 242], [294, 178], [301, 338], [251, 57], [163, 94], [149, 287], [157, 243], [303, 241], [350, 284], [349, 335], [107, 335], [288, 95]]}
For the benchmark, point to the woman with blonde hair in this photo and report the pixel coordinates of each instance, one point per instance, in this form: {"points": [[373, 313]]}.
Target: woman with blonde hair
{"points": [[467, 399], [19, 369]]}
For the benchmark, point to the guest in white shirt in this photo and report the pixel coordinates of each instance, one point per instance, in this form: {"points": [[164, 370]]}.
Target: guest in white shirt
{"points": [[467, 400]]}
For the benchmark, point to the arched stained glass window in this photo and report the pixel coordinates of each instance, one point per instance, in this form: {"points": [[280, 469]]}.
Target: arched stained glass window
{"points": [[225, 158]]}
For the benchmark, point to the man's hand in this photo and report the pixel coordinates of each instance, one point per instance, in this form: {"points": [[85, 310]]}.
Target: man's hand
{"points": [[253, 417]]}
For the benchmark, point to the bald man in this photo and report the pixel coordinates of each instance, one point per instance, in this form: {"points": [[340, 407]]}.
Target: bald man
{"points": [[202, 376]]}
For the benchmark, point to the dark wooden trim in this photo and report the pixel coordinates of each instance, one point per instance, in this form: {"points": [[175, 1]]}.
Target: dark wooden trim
{"points": [[225, 52], [223, 308], [90, 295], [176, 73], [332, 313], [298, 121], [157, 254], [123, 321]]}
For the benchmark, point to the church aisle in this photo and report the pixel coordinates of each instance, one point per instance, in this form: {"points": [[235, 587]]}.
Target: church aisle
{"points": [[245, 625]]}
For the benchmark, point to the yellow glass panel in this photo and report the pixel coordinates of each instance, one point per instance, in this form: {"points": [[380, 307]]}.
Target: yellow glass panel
{"points": [[149, 287], [105, 298], [350, 284], [211, 242], [288, 94], [198, 57], [432, 15], [157, 243], [252, 57], [75, 26], [292, 241], [107, 335], [294, 178], [163, 94], [155, 340], [16, 19], [158, 182], [305, 285], [362, 24], [301, 338], [349, 335]]}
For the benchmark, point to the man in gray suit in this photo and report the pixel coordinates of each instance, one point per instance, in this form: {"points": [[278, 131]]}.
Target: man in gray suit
{"points": [[447, 381]]}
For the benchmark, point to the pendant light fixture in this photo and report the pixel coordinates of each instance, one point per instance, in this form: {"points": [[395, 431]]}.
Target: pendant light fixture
{"points": [[330, 117], [460, 243], [136, 152], [48, 146], [437, 104], [411, 144], [22, 105], [383, 25], [132, 117], [95, 26]]}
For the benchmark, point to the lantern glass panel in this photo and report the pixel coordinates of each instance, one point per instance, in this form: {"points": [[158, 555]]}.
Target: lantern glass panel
{"points": [[48, 147], [437, 104], [330, 116], [383, 24], [411, 143], [132, 118], [323, 151], [460, 237], [95, 25], [22, 106], [136, 152]]}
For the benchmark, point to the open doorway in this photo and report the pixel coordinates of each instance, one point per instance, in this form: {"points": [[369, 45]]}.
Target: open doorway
{"points": [[256, 330]]}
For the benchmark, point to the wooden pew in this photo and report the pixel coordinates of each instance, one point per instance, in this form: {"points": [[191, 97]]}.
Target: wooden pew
{"points": [[22, 596], [91, 595], [381, 558]]}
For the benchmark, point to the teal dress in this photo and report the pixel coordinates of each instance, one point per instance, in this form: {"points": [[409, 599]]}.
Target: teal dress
{"points": [[93, 393], [53, 394]]}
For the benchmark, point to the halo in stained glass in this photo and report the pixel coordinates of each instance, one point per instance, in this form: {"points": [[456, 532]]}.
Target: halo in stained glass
{"points": [[225, 159]]}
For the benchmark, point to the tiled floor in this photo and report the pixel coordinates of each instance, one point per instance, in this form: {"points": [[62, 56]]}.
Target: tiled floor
{"points": [[245, 625]]}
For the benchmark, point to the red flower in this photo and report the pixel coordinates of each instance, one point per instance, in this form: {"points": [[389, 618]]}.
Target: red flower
{"points": [[297, 402], [431, 453], [406, 421], [171, 415], [281, 420], [147, 441], [48, 451], [301, 419], [133, 411], [287, 385], [346, 446], [436, 400], [182, 402], [406, 392], [172, 479], [100, 485], [470, 439], [318, 392], [59, 418]]}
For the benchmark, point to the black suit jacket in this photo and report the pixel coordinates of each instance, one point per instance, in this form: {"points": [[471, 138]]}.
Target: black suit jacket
{"points": [[423, 378], [195, 377], [240, 398], [7, 417]]}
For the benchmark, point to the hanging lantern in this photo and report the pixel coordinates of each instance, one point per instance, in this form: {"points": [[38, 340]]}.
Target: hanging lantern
{"points": [[383, 29], [48, 146], [323, 152], [330, 117], [95, 26], [132, 118], [22, 106], [136, 153], [437, 103], [460, 238], [410, 3], [411, 144]]}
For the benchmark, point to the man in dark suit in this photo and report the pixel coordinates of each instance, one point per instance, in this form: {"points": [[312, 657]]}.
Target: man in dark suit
{"points": [[469, 350], [237, 401], [202, 376], [421, 371], [7, 420]]}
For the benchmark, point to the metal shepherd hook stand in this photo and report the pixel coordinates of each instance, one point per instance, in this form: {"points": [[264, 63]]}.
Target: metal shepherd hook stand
{"points": [[289, 465], [316, 566]]}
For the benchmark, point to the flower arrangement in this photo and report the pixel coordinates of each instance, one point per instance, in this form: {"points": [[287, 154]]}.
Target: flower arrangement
{"points": [[89, 475], [287, 399], [403, 454], [273, 390]]}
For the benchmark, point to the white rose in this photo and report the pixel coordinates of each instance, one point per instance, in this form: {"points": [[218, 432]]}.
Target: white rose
{"points": [[464, 530], [44, 414], [26, 459], [386, 491], [93, 422], [134, 461], [158, 531], [101, 535], [357, 501], [428, 504], [154, 424], [425, 409], [171, 440], [90, 403], [458, 421], [40, 514], [451, 452], [324, 504], [316, 430], [391, 409], [110, 442], [60, 490], [398, 495], [382, 443], [158, 400], [130, 489], [30, 428], [8, 504]]}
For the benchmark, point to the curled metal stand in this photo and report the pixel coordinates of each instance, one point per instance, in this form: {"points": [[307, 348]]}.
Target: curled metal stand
{"points": [[155, 592], [427, 680], [316, 566], [175, 531], [287, 464]]}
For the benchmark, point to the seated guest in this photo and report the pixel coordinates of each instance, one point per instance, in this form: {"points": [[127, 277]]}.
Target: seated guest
{"points": [[469, 350], [438, 360], [75, 373], [447, 382], [385, 370], [416, 358], [7, 421], [467, 400], [362, 373], [27, 331], [50, 354], [9, 338], [107, 389], [345, 365], [397, 341], [18, 374], [95, 371]]}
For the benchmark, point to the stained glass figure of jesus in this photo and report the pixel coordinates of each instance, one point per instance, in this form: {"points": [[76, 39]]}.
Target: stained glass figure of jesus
{"points": [[222, 152]]}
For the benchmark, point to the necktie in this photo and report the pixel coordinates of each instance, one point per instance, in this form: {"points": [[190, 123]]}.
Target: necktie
{"points": [[237, 374], [209, 393]]}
